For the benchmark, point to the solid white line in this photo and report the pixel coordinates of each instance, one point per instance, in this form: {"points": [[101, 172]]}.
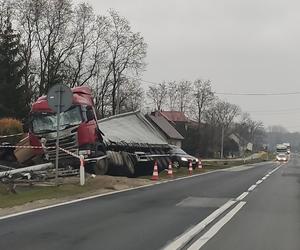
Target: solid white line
{"points": [[73, 201], [242, 196], [251, 188], [264, 178], [186, 237], [258, 182], [213, 231]]}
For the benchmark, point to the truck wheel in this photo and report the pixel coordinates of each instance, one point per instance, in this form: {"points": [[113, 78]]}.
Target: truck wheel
{"points": [[128, 164], [101, 167], [115, 163], [119, 159]]}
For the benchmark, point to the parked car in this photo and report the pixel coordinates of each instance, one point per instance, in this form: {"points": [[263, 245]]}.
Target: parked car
{"points": [[281, 157], [181, 159]]}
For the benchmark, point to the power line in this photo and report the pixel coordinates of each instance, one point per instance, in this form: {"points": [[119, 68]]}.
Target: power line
{"points": [[257, 94], [271, 114], [274, 110]]}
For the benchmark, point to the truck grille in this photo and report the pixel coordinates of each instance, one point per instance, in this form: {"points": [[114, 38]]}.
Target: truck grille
{"points": [[68, 142]]}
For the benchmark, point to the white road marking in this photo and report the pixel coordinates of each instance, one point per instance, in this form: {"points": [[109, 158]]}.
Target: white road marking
{"points": [[242, 196], [186, 237], [264, 178], [275, 169], [258, 182], [213, 231], [251, 188]]}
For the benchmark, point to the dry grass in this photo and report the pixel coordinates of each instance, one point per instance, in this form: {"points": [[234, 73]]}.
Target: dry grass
{"points": [[9, 126]]}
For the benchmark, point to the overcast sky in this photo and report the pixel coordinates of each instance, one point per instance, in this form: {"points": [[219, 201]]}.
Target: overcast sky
{"points": [[242, 46]]}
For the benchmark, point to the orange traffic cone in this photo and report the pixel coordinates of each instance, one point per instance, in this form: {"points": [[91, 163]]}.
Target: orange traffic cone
{"points": [[200, 164], [190, 168], [155, 172], [170, 170]]}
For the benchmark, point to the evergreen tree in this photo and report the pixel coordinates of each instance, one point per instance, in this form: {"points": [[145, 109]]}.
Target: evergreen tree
{"points": [[12, 96]]}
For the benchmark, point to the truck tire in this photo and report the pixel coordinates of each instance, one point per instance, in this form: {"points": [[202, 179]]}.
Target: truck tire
{"points": [[101, 167], [119, 159], [115, 163], [128, 164]]}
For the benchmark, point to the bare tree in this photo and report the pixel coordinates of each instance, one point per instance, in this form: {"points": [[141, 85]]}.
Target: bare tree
{"points": [[24, 16], [184, 91], [89, 50], [54, 38], [220, 117], [249, 130], [131, 95], [203, 96], [102, 91], [172, 95], [126, 52], [64, 42], [226, 112], [158, 95]]}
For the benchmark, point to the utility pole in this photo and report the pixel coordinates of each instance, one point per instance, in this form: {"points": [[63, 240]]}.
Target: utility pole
{"points": [[118, 94], [118, 100], [222, 142]]}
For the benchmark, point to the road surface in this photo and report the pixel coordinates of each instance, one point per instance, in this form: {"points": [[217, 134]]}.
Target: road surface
{"points": [[266, 216]]}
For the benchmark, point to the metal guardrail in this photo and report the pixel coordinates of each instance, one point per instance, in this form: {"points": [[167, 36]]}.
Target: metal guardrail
{"points": [[26, 169]]}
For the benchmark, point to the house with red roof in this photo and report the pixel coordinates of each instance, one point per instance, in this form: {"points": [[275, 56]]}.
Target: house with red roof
{"points": [[163, 124]]}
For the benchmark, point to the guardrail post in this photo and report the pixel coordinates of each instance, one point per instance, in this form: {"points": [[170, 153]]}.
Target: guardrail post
{"points": [[82, 171]]}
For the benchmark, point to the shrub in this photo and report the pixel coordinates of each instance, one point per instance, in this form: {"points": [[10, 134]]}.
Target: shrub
{"points": [[9, 126]]}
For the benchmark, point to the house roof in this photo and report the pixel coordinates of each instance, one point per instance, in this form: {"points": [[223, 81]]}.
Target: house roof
{"points": [[174, 116], [162, 123]]}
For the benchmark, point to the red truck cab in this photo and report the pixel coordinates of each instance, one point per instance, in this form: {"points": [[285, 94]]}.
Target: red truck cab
{"points": [[78, 133]]}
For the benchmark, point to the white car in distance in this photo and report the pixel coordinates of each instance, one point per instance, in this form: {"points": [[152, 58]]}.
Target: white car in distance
{"points": [[281, 157]]}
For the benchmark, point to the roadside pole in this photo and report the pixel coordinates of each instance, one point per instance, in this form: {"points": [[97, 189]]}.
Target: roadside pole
{"points": [[59, 98], [57, 134], [82, 171], [222, 143]]}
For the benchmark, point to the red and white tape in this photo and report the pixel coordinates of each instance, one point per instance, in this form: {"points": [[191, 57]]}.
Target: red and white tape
{"points": [[31, 147], [70, 153]]}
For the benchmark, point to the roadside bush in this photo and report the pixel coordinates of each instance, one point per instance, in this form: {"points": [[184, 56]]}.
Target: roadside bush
{"points": [[9, 126]]}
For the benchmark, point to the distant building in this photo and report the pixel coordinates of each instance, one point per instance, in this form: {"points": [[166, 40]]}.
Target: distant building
{"points": [[178, 120], [163, 124]]}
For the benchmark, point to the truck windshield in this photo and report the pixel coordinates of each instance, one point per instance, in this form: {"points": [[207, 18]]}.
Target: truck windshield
{"points": [[46, 123]]}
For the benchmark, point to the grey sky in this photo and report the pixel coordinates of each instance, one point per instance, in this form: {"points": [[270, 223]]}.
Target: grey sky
{"points": [[242, 46]]}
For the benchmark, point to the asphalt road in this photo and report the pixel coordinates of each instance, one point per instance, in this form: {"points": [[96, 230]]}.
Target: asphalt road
{"points": [[270, 219], [152, 217]]}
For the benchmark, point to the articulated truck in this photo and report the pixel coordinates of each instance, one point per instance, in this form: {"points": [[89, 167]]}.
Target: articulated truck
{"points": [[119, 145]]}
